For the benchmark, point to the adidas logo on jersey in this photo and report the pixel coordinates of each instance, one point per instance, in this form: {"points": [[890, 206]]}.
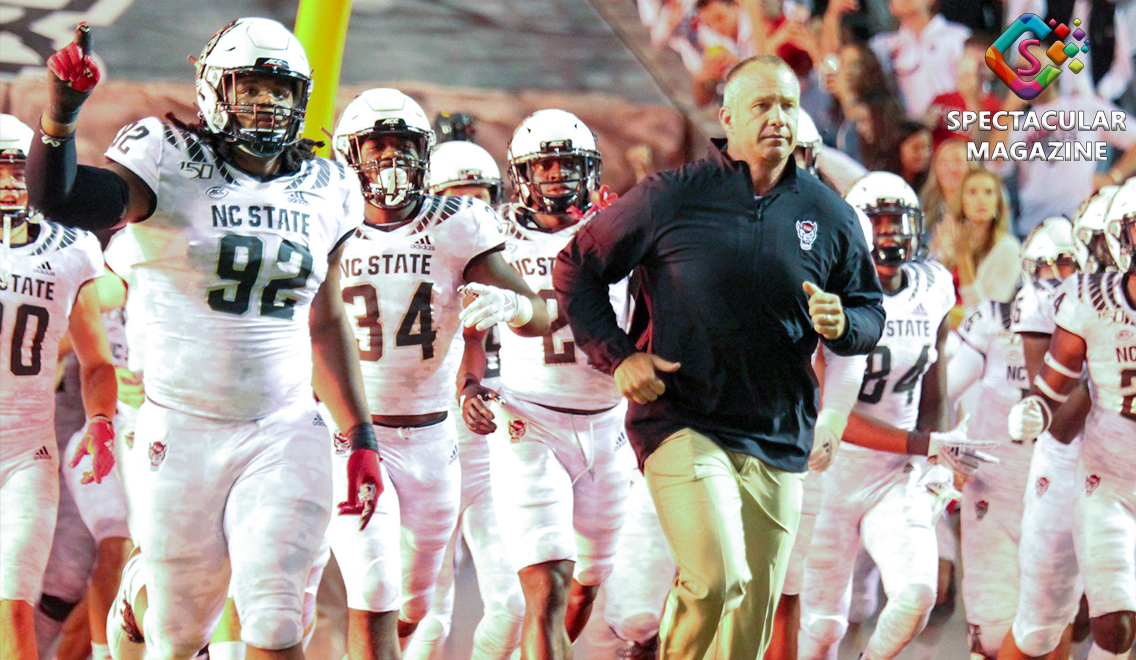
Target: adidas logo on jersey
{"points": [[318, 421], [423, 243], [44, 269], [42, 454], [297, 197], [919, 311]]}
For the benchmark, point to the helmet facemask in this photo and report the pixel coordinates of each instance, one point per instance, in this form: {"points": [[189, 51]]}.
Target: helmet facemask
{"points": [[390, 181], [557, 179], [1098, 258], [275, 126], [896, 228], [13, 190], [1051, 268], [1121, 237]]}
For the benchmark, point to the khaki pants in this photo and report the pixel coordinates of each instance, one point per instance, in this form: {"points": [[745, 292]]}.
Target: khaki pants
{"points": [[730, 520]]}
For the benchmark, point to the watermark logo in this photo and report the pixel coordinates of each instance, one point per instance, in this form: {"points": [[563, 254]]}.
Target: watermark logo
{"points": [[1059, 53]]}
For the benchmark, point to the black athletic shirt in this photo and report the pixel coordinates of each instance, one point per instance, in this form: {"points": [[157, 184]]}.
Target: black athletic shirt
{"points": [[721, 277]]}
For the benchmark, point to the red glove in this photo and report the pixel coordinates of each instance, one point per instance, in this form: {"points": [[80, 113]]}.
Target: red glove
{"points": [[74, 75], [601, 199], [98, 441], [364, 480]]}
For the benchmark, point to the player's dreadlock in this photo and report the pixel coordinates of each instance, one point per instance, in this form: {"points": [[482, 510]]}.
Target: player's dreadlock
{"points": [[290, 159]]}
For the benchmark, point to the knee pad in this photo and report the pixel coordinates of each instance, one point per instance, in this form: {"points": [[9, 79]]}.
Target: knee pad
{"points": [[638, 628], [914, 599], [595, 573], [270, 627], [415, 608], [55, 608], [1038, 641], [825, 631]]}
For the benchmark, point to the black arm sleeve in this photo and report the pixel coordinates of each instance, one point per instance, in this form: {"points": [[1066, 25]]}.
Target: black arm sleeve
{"points": [[74, 195], [855, 281], [602, 253]]}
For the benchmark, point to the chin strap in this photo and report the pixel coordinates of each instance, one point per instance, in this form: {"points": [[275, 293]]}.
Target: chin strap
{"points": [[6, 252]]}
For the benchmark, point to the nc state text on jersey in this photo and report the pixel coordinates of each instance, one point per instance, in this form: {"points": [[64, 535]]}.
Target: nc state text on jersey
{"points": [[907, 328], [541, 266], [266, 216], [387, 264], [30, 286]]}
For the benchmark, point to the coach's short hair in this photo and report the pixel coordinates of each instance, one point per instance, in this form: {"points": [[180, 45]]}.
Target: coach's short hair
{"points": [[767, 60]]}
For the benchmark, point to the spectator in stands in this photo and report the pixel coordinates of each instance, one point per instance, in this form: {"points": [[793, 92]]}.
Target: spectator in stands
{"points": [[948, 167], [1057, 188], [923, 55], [915, 149], [974, 241], [726, 34], [878, 115], [973, 81], [870, 112]]}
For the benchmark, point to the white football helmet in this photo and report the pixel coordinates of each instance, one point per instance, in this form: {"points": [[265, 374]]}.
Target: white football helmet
{"points": [[253, 46], [808, 141], [15, 142], [394, 182], [1088, 231], [897, 218], [460, 163], [554, 135], [1049, 246], [1120, 227]]}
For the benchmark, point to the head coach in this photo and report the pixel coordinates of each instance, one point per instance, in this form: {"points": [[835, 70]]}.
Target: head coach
{"points": [[736, 253]]}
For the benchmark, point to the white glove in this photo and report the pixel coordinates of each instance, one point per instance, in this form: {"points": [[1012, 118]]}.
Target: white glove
{"points": [[492, 305], [956, 438], [826, 439], [1027, 419], [940, 482], [962, 454]]}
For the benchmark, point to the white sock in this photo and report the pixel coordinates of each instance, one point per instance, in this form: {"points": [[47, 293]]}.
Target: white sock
{"points": [[227, 651], [1097, 653], [100, 651]]}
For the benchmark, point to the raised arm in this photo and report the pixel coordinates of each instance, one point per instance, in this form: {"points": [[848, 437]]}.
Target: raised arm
{"points": [[91, 198]]}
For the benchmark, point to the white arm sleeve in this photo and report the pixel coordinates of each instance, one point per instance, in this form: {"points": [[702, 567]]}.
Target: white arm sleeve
{"points": [[966, 367], [842, 379]]}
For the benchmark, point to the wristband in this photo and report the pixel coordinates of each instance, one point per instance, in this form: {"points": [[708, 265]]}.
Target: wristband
{"points": [[362, 436], [918, 443], [524, 311], [1053, 364], [98, 416]]}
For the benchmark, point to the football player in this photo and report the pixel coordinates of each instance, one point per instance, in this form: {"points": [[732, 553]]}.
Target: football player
{"points": [[1050, 575], [460, 168], [401, 277], [884, 499], [1095, 319], [992, 501], [44, 272], [229, 475], [840, 377], [557, 442]]}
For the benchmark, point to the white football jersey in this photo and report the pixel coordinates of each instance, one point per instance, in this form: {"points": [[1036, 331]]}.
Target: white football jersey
{"points": [[400, 287], [35, 307], [227, 270], [1097, 308], [893, 380], [121, 255], [1005, 380], [550, 370], [1033, 308]]}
